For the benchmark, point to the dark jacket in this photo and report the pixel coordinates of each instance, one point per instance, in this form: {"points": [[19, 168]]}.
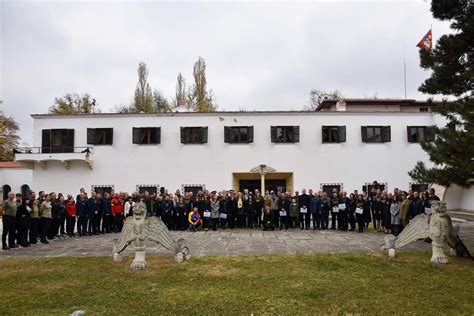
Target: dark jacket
{"points": [[81, 208], [315, 205], [93, 206], [304, 200]]}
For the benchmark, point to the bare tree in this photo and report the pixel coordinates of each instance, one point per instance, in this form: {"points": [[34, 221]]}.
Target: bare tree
{"points": [[317, 96]]}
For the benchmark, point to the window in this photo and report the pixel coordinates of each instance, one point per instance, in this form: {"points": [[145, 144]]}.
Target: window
{"points": [[376, 134], [6, 189], [285, 134], [423, 109], [368, 187], [194, 135], [25, 191], [102, 189], [419, 134], [238, 134], [146, 135], [329, 188], [57, 141], [334, 134], [150, 188], [100, 136], [195, 188], [419, 187]]}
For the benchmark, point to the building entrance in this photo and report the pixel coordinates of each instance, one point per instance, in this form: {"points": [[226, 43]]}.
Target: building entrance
{"points": [[275, 181], [277, 185]]}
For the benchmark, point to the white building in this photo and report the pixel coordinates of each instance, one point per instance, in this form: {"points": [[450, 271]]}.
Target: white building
{"points": [[14, 177], [345, 143]]}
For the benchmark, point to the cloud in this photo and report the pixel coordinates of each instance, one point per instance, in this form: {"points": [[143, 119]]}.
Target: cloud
{"points": [[259, 56]]}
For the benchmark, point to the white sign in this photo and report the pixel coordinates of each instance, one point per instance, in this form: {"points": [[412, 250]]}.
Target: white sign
{"points": [[359, 210], [282, 213], [303, 210], [428, 210], [207, 214], [335, 209], [223, 215], [342, 206]]}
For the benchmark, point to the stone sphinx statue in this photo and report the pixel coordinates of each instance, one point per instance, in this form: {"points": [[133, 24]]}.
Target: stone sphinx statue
{"points": [[137, 229], [438, 228]]}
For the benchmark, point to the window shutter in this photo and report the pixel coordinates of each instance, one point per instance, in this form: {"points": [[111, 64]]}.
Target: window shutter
{"points": [[46, 141], [204, 135], [135, 135], [250, 134], [296, 133], [273, 133], [70, 140], [409, 139], [363, 130], [110, 136], [342, 134], [430, 134], [91, 136], [386, 134], [183, 135], [227, 134], [158, 135]]}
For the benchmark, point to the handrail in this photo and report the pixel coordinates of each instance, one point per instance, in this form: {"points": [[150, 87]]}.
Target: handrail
{"points": [[53, 150]]}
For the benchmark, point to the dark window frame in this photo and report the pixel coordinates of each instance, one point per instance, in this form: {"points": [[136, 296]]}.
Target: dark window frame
{"points": [[150, 188], [233, 134], [384, 135], [335, 134], [146, 135], [290, 134], [426, 135], [49, 139], [194, 135], [104, 133]]}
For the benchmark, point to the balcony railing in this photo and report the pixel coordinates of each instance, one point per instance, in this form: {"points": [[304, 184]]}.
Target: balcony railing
{"points": [[51, 150], [29, 156]]}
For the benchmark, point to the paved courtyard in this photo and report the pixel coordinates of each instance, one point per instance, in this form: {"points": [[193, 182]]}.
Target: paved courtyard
{"points": [[240, 242]]}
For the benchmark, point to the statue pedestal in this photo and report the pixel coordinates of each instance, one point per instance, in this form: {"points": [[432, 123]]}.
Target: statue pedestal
{"points": [[391, 253]]}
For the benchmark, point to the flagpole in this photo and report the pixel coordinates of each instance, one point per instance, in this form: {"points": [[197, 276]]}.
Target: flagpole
{"points": [[404, 70]]}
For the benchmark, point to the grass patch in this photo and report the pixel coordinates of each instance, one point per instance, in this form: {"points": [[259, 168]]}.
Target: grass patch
{"points": [[269, 284]]}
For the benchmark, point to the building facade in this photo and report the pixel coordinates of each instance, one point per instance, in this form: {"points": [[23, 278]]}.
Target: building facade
{"points": [[14, 177], [331, 147]]}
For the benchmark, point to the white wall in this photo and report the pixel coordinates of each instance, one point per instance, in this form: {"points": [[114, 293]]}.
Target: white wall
{"points": [[457, 198], [15, 178], [171, 164]]}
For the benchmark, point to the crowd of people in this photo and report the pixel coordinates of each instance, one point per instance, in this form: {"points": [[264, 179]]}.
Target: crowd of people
{"points": [[44, 217]]}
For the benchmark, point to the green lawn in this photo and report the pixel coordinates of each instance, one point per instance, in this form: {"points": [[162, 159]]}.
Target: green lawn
{"points": [[270, 284]]}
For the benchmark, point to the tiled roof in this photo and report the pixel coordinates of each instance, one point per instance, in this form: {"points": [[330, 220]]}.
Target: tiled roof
{"points": [[10, 164]]}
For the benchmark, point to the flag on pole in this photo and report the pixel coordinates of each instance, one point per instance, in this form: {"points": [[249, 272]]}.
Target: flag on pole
{"points": [[426, 41]]}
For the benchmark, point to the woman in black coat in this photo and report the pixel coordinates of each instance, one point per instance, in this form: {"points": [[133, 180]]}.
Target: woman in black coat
{"points": [[23, 220]]}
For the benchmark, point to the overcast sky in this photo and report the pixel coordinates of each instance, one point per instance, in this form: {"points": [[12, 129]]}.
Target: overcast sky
{"points": [[259, 55]]}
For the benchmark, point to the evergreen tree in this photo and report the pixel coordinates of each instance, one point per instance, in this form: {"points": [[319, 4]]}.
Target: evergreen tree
{"points": [[451, 63]]}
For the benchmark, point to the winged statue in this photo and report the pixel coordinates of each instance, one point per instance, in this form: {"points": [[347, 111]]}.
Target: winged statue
{"points": [[137, 229], [438, 228]]}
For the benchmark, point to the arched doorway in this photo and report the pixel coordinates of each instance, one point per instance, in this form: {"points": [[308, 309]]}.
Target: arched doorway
{"points": [[6, 189], [25, 190]]}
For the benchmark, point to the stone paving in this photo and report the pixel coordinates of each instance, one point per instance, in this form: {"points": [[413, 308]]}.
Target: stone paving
{"points": [[240, 242]]}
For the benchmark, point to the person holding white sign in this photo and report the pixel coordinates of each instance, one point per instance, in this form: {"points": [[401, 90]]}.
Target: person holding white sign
{"points": [[284, 207], [343, 211], [335, 212], [305, 216], [360, 213], [214, 212]]}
